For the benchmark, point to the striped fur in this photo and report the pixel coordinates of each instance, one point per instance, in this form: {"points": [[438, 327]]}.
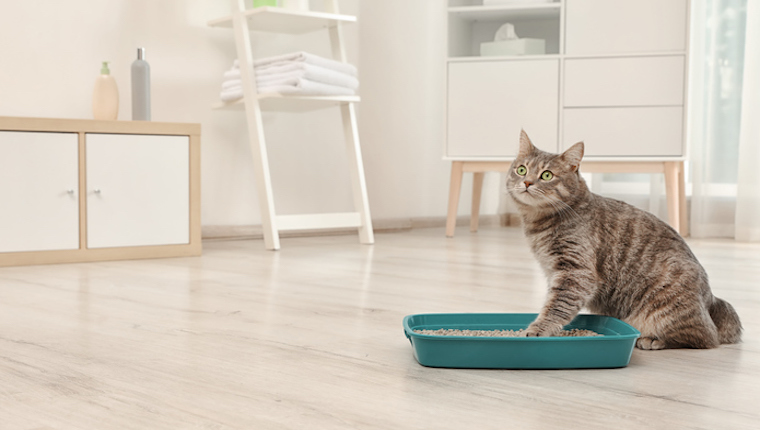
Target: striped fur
{"points": [[612, 258]]}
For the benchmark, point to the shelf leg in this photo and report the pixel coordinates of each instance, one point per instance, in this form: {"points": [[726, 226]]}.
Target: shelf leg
{"points": [[358, 183], [477, 191], [255, 126], [455, 188], [676, 196], [684, 230], [350, 130]]}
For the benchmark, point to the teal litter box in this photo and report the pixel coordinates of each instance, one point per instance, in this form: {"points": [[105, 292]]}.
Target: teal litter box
{"points": [[611, 350]]}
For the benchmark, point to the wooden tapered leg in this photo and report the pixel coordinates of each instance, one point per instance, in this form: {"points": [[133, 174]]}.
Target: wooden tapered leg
{"points": [[477, 191], [684, 218], [455, 187], [673, 190]]}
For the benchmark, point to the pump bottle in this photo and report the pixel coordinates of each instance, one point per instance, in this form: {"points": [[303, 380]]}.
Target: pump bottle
{"points": [[105, 97], [140, 87]]}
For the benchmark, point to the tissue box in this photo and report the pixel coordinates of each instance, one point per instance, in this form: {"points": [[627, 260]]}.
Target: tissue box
{"points": [[513, 47]]}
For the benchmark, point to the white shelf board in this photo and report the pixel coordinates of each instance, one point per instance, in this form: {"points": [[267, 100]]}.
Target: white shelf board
{"points": [[279, 20], [507, 11], [290, 103], [319, 221], [475, 58]]}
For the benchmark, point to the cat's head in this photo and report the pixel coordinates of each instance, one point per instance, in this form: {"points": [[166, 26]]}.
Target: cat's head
{"points": [[543, 180]]}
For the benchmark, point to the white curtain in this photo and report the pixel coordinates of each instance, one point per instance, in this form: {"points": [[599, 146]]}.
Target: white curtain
{"points": [[725, 119]]}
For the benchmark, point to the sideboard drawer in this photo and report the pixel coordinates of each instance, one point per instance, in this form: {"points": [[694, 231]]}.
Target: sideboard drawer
{"points": [[634, 81], [625, 26], [631, 132]]}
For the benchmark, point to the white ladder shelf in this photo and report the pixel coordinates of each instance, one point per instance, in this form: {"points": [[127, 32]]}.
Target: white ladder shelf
{"points": [[279, 20]]}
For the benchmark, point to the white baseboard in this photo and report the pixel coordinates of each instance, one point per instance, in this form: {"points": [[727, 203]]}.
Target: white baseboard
{"points": [[218, 232]]}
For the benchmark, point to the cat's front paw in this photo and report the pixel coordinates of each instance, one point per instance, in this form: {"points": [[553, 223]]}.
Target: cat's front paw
{"points": [[650, 343], [542, 329]]}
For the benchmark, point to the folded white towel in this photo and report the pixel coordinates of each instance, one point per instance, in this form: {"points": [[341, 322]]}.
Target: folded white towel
{"points": [[292, 87], [288, 78], [230, 94], [290, 70], [305, 57], [231, 74], [296, 73], [230, 83], [305, 87]]}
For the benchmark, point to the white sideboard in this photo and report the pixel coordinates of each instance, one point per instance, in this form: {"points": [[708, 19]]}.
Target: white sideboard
{"points": [[614, 75], [79, 190]]}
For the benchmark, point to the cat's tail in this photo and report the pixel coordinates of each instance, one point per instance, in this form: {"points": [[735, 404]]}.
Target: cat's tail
{"points": [[726, 320]]}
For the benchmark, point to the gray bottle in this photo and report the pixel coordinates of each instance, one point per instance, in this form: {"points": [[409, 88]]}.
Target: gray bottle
{"points": [[140, 88]]}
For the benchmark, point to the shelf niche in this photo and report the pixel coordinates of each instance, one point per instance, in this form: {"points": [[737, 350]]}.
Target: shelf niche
{"points": [[472, 24]]}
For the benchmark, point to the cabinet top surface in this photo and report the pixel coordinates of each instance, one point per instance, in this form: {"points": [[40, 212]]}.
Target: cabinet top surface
{"points": [[97, 126]]}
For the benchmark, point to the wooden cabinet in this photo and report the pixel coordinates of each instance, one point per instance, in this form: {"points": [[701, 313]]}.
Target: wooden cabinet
{"points": [[77, 190]]}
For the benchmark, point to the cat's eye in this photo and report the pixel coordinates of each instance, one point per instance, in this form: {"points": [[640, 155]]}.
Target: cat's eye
{"points": [[547, 176], [522, 170]]}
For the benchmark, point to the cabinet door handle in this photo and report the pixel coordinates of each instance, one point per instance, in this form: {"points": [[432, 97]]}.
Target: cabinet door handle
{"points": [[70, 192]]}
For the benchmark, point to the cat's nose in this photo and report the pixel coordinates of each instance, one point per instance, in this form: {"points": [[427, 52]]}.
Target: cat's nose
{"points": [[527, 184]]}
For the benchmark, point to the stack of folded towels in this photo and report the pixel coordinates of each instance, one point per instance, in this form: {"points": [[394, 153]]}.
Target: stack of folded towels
{"points": [[299, 73]]}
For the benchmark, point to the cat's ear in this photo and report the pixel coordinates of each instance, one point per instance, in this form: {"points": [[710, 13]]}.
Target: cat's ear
{"points": [[573, 156], [526, 146]]}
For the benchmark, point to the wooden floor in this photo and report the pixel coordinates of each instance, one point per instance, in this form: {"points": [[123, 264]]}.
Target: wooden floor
{"points": [[310, 337]]}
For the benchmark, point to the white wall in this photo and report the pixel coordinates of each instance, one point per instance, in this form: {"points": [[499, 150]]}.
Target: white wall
{"points": [[402, 67], [51, 54]]}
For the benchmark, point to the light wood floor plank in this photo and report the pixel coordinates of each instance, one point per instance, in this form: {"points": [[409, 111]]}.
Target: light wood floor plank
{"points": [[310, 337]]}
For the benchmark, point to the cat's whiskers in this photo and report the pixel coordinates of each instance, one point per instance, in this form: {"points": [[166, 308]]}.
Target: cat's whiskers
{"points": [[562, 209], [565, 211]]}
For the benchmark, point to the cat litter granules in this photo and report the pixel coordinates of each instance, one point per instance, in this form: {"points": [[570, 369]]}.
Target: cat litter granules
{"points": [[501, 333]]}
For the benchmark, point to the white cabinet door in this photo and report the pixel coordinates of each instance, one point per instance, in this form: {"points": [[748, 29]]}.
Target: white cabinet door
{"points": [[138, 190], [39, 181], [625, 26], [490, 101]]}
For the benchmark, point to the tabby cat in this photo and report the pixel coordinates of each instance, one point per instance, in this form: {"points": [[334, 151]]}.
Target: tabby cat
{"points": [[612, 258]]}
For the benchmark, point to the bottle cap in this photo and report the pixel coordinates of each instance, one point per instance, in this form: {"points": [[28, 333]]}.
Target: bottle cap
{"points": [[140, 53], [104, 70]]}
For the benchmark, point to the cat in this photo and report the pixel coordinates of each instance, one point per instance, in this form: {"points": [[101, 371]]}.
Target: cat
{"points": [[612, 258]]}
